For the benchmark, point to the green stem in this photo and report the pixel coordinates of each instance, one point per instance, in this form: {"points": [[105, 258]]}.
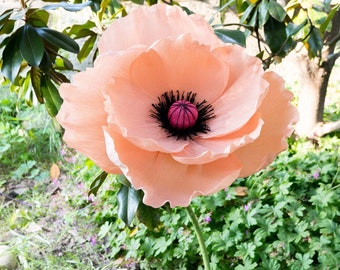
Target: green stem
{"points": [[199, 236]]}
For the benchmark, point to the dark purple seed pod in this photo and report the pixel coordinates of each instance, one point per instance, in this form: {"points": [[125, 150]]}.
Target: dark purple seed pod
{"points": [[182, 115]]}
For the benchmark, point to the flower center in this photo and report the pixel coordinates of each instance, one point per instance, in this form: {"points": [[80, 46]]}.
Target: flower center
{"points": [[182, 114]]}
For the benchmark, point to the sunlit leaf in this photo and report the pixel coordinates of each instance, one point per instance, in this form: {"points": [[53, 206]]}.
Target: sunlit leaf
{"points": [[36, 83], [263, 12], [51, 95], [11, 58], [31, 45], [246, 13], [324, 25], [58, 39], [86, 48], [315, 43], [97, 183], [128, 202], [37, 17], [276, 11], [231, 36]]}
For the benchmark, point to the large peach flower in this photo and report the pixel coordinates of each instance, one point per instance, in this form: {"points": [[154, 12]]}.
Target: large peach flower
{"points": [[175, 110]]}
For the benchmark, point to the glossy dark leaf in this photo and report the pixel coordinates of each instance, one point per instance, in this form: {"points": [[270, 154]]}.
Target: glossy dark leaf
{"points": [[36, 83], [324, 25], [51, 95], [246, 14], [58, 39], [123, 180], [138, 2], [97, 183], [7, 27], [37, 17], [275, 35], [31, 45], [87, 48], [81, 30], [11, 58], [315, 43], [276, 11], [263, 12], [293, 29], [231, 36], [68, 6], [149, 216], [128, 202]]}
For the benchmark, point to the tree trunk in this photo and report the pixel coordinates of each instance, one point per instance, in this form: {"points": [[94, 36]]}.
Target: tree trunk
{"points": [[315, 74]]}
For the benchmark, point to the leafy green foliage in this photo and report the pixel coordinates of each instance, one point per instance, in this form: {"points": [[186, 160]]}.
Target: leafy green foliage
{"points": [[287, 220]]}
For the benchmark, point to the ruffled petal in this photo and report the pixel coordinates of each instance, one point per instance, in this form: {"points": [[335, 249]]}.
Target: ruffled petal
{"points": [[182, 65], [278, 115], [145, 25], [82, 115], [165, 180], [243, 95], [200, 151]]}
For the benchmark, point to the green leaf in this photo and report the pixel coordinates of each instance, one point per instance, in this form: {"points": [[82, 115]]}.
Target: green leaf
{"points": [[58, 39], [276, 11], [324, 25], [128, 202], [293, 29], [148, 215], [36, 83], [263, 11], [68, 6], [315, 43], [11, 58], [37, 17], [231, 36], [87, 47], [275, 35], [247, 13], [138, 2], [81, 30], [51, 95], [31, 45], [97, 183], [7, 27]]}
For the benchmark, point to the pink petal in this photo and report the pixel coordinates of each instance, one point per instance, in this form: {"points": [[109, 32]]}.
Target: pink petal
{"points": [[278, 115], [181, 65], [145, 25], [82, 115], [202, 151], [243, 94], [163, 179]]}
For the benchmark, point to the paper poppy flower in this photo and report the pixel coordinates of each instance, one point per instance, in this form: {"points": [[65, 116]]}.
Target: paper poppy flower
{"points": [[175, 110]]}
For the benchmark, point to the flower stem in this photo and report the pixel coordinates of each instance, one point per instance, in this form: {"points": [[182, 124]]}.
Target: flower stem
{"points": [[199, 236]]}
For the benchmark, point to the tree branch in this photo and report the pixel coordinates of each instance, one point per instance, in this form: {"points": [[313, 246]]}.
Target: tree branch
{"points": [[322, 128]]}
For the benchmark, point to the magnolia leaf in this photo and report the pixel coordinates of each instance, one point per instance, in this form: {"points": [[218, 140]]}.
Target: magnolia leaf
{"points": [[324, 25], [315, 43], [128, 202], [7, 27], [11, 58], [275, 35], [68, 6], [97, 183], [36, 83], [81, 30], [58, 39], [37, 17], [31, 45], [276, 11], [293, 29], [231, 36], [51, 95], [87, 48], [123, 180], [247, 13], [148, 215], [263, 13]]}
